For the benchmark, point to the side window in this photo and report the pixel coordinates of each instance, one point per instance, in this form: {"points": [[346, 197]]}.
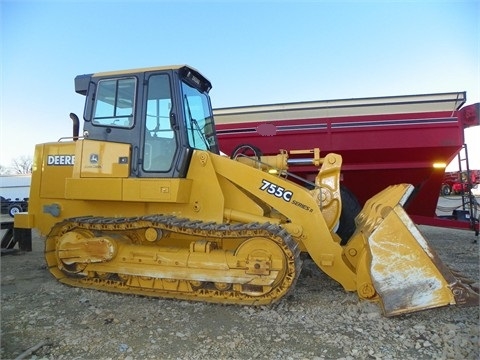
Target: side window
{"points": [[114, 103], [160, 142], [198, 119]]}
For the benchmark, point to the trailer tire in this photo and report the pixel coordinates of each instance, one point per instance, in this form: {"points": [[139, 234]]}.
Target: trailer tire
{"points": [[14, 209], [446, 190], [350, 209]]}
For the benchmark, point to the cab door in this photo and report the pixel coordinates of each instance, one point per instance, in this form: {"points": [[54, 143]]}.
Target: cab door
{"points": [[161, 153]]}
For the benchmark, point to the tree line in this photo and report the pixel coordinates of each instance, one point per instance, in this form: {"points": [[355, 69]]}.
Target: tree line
{"points": [[19, 166]]}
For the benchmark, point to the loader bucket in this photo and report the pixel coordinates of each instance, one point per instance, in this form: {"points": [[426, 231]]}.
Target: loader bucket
{"points": [[405, 271]]}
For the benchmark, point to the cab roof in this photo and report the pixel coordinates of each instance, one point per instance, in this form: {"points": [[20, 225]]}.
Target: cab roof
{"points": [[82, 81]]}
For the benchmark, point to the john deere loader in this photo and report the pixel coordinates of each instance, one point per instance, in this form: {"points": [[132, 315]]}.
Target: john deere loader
{"points": [[143, 202]]}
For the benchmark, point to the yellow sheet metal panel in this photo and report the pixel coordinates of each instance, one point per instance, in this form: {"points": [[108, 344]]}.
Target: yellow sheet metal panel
{"points": [[55, 165], [102, 159], [93, 189], [24, 221], [165, 190]]}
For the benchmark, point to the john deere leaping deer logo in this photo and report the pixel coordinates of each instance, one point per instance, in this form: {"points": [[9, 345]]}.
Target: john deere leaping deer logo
{"points": [[93, 158]]}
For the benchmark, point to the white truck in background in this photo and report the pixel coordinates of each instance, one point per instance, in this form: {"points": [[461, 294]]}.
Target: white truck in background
{"points": [[14, 192]]}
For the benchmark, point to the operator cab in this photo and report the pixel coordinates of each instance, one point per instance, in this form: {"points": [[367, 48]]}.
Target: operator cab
{"points": [[163, 113]]}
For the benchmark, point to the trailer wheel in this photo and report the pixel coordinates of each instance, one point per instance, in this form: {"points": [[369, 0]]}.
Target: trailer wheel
{"points": [[446, 190], [350, 209], [14, 209]]}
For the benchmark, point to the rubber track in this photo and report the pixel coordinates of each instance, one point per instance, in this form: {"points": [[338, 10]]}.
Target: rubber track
{"points": [[174, 224]]}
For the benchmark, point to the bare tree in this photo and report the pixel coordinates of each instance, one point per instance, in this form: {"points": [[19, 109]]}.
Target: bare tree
{"points": [[4, 170], [22, 165]]}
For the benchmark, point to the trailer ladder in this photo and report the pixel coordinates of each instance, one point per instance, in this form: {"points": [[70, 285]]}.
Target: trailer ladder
{"points": [[469, 202]]}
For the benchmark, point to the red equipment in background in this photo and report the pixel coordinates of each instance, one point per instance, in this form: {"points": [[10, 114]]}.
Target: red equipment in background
{"points": [[459, 182], [383, 140]]}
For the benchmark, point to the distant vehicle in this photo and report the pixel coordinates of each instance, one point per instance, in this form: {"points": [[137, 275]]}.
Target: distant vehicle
{"points": [[15, 186], [457, 183], [12, 207], [476, 190]]}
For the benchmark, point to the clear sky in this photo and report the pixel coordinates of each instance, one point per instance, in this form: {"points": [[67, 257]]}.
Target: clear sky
{"points": [[253, 52]]}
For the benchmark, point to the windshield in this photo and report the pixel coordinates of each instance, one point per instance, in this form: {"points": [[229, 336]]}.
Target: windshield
{"points": [[199, 119]]}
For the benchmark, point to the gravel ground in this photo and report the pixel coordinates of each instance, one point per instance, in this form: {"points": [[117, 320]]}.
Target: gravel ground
{"points": [[318, 321]]}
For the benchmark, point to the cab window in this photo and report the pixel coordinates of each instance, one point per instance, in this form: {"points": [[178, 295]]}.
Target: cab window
{"points": [[114, 103], [198, 119]]}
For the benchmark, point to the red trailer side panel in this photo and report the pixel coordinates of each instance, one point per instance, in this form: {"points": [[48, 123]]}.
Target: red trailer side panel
{"points": [[383, 141]]}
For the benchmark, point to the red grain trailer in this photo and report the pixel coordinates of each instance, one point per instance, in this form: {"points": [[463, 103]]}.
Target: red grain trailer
{"points": [[383, 140]]}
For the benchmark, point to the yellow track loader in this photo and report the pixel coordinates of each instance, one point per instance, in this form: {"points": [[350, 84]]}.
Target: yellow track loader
{"points": [[143, 202]]}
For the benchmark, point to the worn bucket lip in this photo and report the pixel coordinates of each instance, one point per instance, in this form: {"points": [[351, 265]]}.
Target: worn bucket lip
{"points": [[406, 283]]}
